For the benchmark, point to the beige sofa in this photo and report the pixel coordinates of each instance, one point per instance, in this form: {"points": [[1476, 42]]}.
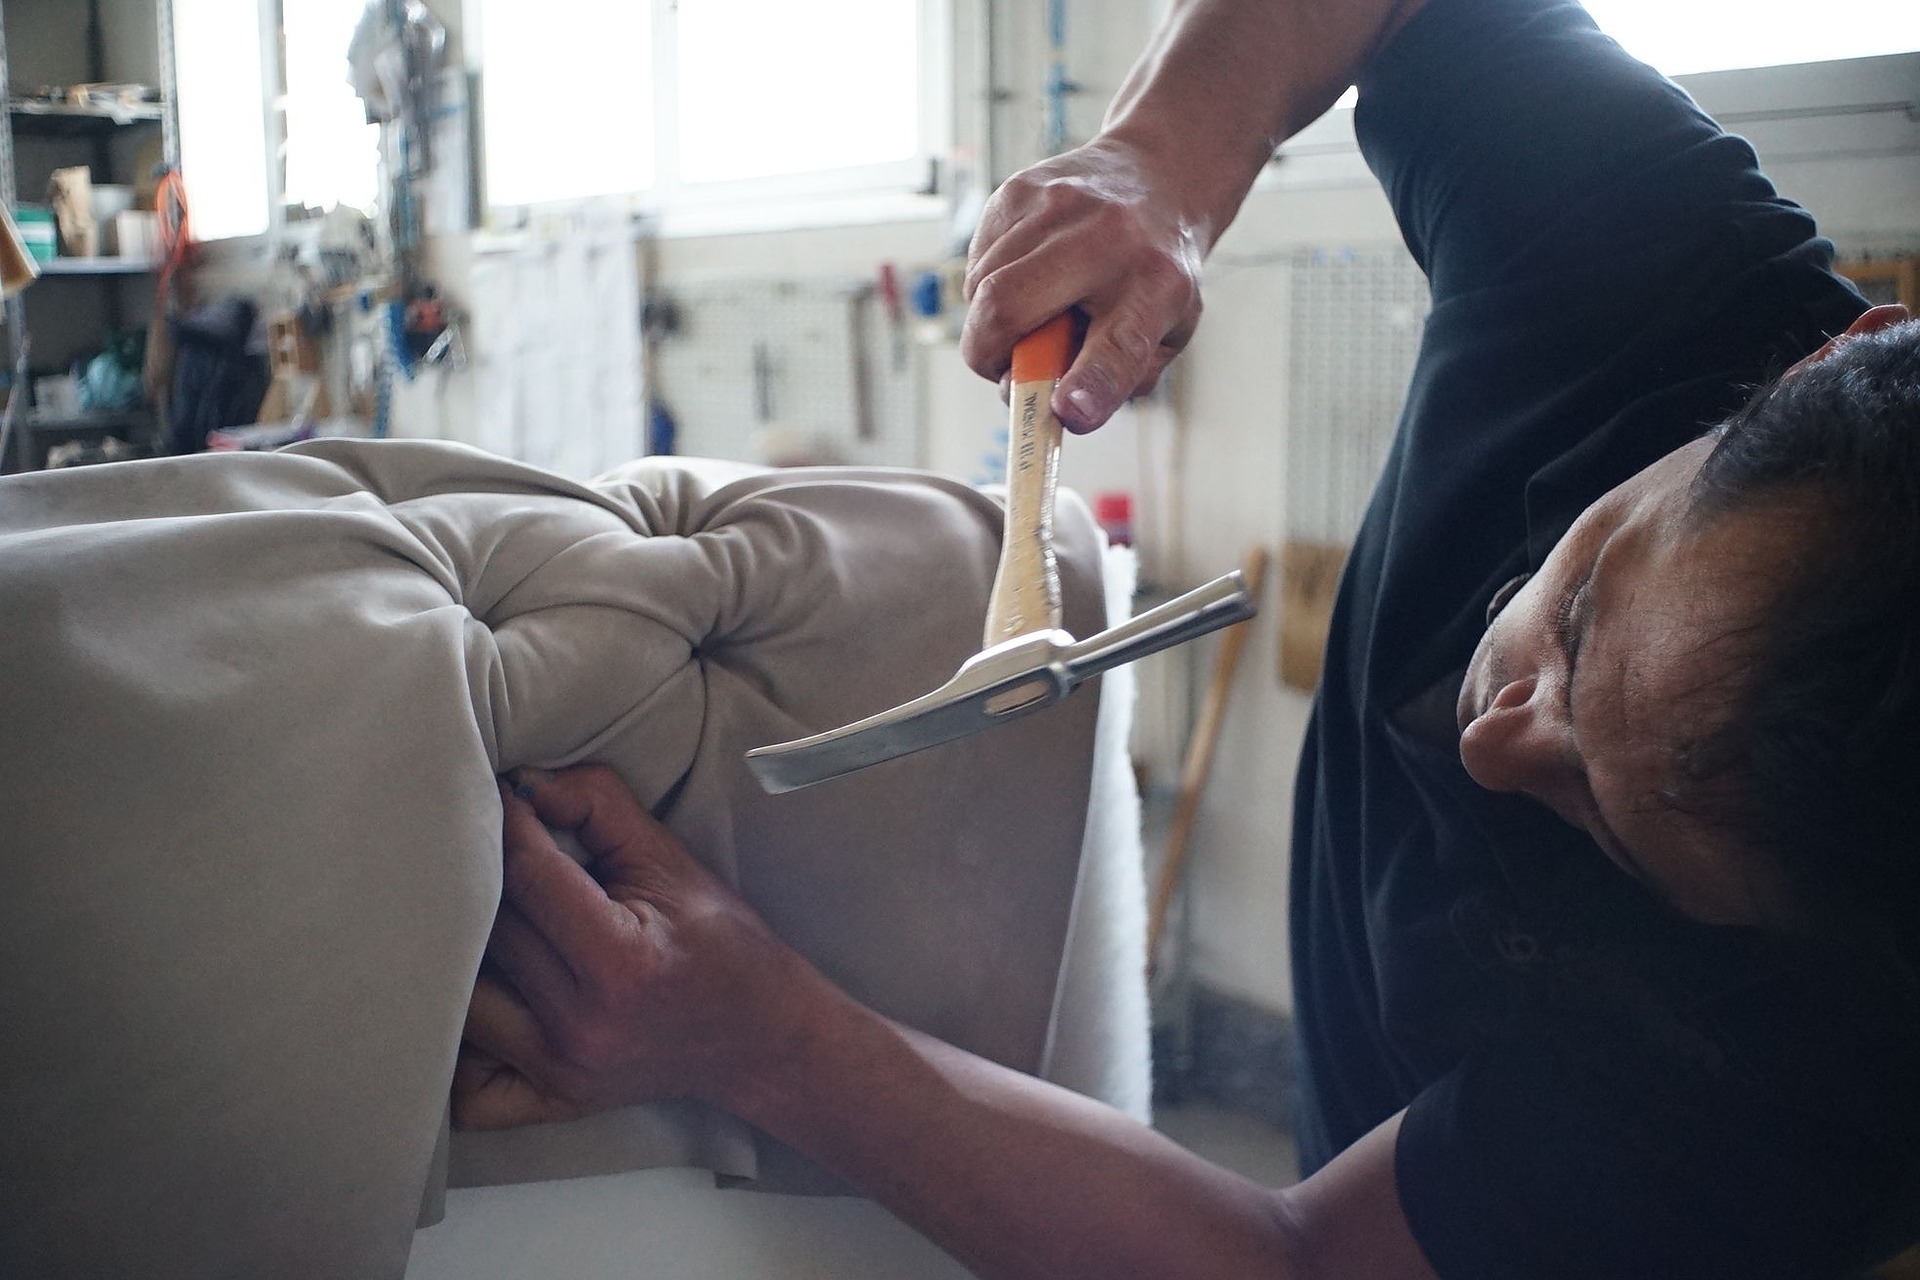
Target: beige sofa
{"points": [[251, 712]]}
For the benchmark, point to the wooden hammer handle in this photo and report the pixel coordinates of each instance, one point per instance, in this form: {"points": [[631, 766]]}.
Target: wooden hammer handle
{"points": [[1026, 587]]}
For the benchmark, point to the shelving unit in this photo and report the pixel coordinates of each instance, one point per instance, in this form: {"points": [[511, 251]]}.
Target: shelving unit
{"points": [[83, 121], [79, 301], [97, 267]]}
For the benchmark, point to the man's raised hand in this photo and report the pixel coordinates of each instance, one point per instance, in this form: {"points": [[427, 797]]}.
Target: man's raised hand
{"points": [[1095, 229]]}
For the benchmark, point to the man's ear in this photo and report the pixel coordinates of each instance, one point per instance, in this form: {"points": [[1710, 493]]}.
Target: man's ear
{"points": [[1872, 320]]}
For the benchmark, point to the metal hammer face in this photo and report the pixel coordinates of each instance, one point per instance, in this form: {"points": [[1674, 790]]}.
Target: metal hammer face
{"points": [[1014, 678]]}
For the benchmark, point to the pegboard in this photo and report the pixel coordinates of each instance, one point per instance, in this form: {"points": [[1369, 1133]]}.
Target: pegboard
{"points": [[783, 370], [1355, 330]]}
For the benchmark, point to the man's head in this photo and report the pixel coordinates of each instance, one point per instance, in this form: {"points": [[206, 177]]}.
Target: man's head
{"points": [[1717, 671]]}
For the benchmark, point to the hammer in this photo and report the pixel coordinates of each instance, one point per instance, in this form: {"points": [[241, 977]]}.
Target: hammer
{"points": [[1028, 663]]}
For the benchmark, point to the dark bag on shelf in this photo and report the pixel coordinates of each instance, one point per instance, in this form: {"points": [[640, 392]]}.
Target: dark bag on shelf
{"points": [[218, 381]]}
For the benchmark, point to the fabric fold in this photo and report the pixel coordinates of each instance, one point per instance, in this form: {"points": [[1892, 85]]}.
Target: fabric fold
{"points": [[251, 712]]}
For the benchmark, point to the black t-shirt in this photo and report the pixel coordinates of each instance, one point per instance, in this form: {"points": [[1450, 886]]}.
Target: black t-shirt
{"points": [[1595, 1086]]}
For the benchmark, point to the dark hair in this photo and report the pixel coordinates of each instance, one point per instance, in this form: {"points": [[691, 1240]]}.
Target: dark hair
{"points": [[1818, 764]]}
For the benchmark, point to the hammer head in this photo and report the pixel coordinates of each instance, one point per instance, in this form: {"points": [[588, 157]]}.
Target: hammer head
{"points": [[1009, 680]]}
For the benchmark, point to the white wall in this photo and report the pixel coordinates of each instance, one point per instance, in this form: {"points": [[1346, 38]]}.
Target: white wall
{"points": [[1206, 458], [1220, 426]]}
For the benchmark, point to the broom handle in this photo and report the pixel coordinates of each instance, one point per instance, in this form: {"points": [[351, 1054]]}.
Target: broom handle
{"points": [[1199, 761], [1026, 587]]}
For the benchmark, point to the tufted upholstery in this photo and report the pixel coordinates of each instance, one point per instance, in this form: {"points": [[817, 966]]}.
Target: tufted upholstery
{"points": [[251, 711]]}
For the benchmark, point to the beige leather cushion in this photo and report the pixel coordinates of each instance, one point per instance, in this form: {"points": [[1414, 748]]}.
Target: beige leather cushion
{"points": [[251, 711]]}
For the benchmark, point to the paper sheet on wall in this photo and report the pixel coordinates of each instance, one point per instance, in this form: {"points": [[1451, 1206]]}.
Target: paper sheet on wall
{"points": [[558, 345]]}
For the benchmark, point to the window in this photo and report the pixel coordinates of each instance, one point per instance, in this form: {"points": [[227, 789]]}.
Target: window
{"points": [[1689, 37], [686, 104], [332, 153], [1725, 35], [566, 118], [323, 152], [703, 104], [223, 129], [803, 94]]}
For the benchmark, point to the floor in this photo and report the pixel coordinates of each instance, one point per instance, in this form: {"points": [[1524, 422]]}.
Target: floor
{"points": [[670, 1224]]}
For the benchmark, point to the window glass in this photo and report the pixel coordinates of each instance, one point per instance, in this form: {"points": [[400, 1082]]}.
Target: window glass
{"points": [[568, 99], [770, 87], [1722, 35], [223, 127], [333, 153]]}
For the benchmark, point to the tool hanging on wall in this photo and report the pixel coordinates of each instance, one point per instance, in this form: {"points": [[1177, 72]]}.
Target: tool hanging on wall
{"points": [[1059, 85], [172, 289], [1028, 663], [394, 62], [860, 368], [1198, 766], [762, 382], [659, 321], [896, 315], [427, 333]]}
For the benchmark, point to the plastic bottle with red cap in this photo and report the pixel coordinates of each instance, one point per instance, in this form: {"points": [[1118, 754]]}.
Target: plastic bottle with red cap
{"points": [[1113, 512]]}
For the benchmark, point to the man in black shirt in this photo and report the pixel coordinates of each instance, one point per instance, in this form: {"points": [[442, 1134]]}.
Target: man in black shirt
{"points": [[1603, 913]]}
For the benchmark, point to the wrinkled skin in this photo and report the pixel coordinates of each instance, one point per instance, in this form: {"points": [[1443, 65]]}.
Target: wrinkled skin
{"points": [[604, 956], [1088, 229]]}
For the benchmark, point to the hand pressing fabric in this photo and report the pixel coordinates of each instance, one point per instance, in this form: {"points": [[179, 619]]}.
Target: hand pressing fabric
{"points": [[637, 978], [642, 977]]}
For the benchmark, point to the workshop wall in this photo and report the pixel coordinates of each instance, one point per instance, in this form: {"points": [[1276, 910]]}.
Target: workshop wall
{"points": [[1206, 458], [1203, 459]]}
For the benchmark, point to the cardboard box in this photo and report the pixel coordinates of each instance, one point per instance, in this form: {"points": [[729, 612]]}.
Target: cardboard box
{"points": [[134, 234]]}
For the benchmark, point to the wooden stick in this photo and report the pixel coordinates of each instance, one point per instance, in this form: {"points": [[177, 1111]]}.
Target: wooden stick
{"points": [[1199, 761], [1026, 587]]}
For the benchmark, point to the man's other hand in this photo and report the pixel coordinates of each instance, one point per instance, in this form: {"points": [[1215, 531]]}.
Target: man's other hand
{"points": [[638, 977], [1094, 228]]}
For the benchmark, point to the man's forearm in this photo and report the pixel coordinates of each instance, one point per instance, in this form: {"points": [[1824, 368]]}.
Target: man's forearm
{"points": [[1225, 82], [1011, 1175], [649, 979]]}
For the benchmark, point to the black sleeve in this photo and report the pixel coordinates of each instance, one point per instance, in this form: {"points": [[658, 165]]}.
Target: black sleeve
{"points": [[1515, 140], [1611, 275], [1769, 1133]]}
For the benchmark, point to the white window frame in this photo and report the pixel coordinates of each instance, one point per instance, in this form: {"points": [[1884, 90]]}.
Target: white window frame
{"points": [[897, 191], [1848, 106]]}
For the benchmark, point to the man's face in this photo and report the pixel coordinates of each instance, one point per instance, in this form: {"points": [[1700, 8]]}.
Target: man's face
{"points": [[1624, 647]]}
